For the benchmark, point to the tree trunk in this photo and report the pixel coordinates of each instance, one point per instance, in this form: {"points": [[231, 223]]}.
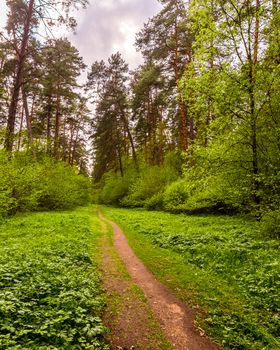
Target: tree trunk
{"points": [[57, 128], [120, 161], [182, 107], [20, 129], [126, 126], [27, 116], [9, 137], [49, 112], [253, 72]]}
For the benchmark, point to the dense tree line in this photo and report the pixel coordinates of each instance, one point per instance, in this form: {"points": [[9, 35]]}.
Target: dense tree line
{"points": [[206, 101], [42, 105], [195, 127], [43, 113]]}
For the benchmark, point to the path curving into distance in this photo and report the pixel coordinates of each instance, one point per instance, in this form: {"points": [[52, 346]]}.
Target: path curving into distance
{"points": [[175, 318]]}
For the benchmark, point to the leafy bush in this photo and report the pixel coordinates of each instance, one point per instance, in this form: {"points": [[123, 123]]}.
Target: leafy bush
{"points": [[155, 202], [28, 185], [151, 181], [60, 187], [116, 187], [176, 194], [270, 224]]}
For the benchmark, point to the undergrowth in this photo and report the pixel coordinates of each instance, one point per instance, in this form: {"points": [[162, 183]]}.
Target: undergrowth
{"points": [[49, 286]]}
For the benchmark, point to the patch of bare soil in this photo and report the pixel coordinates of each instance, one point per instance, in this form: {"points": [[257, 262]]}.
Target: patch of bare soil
{"points": [[175, 318], [128, 314]]}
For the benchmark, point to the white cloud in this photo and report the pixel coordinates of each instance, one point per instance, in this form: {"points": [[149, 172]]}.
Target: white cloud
{"points": [[3, 14], [107, 26]]}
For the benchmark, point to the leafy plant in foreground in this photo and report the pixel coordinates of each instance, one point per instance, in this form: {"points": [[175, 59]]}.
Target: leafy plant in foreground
{"points": [[49, 287]]}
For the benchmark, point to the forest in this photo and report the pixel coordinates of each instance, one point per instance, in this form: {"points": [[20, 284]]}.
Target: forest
{"points": [[194, 128], [193, 132]]}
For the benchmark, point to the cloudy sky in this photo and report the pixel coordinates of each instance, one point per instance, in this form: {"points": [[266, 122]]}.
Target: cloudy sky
{"points": [[108, 26]]}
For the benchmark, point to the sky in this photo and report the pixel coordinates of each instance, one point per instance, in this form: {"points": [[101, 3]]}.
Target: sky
{"points": [[107, 26]]}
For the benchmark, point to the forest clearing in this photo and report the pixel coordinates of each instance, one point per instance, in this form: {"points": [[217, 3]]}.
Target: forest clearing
{"points": [[139, 174], [56, 267]]}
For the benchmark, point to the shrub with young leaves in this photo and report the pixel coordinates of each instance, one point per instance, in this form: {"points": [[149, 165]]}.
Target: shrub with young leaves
{"points": [[176, 194], [151, 181], [270, 224], [27, 184], [116, 187]]}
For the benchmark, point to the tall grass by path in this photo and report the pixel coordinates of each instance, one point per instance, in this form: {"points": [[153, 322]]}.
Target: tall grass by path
{"points": [[218, 264], [50, 296]]}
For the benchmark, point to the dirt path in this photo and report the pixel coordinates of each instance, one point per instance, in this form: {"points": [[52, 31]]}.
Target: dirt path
{"points": [[174, 317], [128, 314]]}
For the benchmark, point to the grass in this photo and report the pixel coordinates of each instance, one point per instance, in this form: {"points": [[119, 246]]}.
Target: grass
{"points": [[218, 264], [50, 295]]}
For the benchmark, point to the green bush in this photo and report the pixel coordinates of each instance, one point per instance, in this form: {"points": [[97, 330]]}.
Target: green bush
{"points": [[116, 187], [29, 185], [176, 194], [61, 188], [151, 181], [270, 224], [155, 202], [18, 183]]}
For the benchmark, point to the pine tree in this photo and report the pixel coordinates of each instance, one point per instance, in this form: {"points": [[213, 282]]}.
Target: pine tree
{"points": [[166, 42], [23, 20], [112, 133]]}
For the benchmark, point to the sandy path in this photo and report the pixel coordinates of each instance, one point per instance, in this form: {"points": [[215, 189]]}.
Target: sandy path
{"points": [[175, 318]]}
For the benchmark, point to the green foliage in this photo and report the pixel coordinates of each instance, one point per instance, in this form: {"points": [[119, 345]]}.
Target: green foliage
{"points": [[155, 202], [29, 185], [176, 194], [61, 187], [212, 182], [270, 224], [139, 187], [217, 262], [50, 292], [151, 181], [116, 187]]}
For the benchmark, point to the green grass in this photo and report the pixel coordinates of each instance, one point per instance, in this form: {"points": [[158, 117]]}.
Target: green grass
{"points": [[218, 264], [50, 294]]}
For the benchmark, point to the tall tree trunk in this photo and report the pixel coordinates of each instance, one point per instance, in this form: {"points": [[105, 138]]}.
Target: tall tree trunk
{"points": [[70, 143], [182, 107], [161, 137], [9, 137], [57, 128], [126, 126], [49, 112], [20, 129], [27, 117], [119, 154], [74, 148], [253, 72]]}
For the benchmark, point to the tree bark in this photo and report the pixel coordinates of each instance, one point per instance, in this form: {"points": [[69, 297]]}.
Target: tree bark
{"points": [[182, 106], [57, 128], [49, 112], [27, 116], [9, 137], [253, 71]]}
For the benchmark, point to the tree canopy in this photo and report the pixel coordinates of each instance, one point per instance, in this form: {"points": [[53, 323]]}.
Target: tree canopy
{"points": [[201, 111]]}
